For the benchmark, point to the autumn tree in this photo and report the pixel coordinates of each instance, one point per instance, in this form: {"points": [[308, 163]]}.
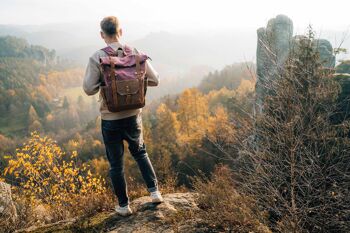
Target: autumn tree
{"points": [[192, 114], [167, 129], [47, 175], [220, 131], [165, 150], [229, 77], [32, 115], [34, 123]]}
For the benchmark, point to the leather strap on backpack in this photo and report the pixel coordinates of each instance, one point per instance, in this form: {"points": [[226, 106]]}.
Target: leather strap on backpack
{"points": [[138, 66], [139, 74], [113, 81]]}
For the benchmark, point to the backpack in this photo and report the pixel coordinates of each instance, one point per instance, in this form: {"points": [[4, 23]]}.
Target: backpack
{"points": [[124, 84]]}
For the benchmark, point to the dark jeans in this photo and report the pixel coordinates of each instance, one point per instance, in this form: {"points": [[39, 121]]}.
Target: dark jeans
{"points": [[130, 130]]}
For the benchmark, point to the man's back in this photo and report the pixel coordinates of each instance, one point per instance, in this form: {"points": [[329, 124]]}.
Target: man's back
{"points": [[92, 82]]}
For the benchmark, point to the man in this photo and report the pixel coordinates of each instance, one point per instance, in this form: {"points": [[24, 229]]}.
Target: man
{"points": [[124, 125]]}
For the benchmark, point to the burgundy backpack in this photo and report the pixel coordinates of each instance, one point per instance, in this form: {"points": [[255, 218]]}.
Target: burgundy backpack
{"points": [[124, 83]]}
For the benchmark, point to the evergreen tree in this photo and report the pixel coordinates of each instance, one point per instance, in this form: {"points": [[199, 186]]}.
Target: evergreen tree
{"points": [[32, 115], [65, 104]]}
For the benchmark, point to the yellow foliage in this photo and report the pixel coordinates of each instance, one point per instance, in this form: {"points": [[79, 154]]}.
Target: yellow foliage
{"points": [[219, 128], [97, 143], [73, 144], [167, 125], [48, 175], [246, 86], [100, 166], [192, 114], [218, 97]]}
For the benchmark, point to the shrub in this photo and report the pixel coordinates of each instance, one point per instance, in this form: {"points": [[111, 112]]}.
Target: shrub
{"points": [[223, 209], [56, 182]]}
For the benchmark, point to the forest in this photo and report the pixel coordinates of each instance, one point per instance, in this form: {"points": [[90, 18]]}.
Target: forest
{"points": [[283, 167]]}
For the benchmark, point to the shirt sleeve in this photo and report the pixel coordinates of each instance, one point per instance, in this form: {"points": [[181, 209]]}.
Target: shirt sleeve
{"points": [[91, 83], [152, 75]]}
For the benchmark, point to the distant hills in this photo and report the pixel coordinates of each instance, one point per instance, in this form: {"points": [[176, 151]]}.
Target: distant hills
{"points": [[173, 54], [182, 59], [30, 76], [16, 47]]}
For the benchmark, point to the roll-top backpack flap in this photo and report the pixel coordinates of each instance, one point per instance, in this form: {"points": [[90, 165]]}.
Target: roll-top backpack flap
{"points": [[120, 62]]}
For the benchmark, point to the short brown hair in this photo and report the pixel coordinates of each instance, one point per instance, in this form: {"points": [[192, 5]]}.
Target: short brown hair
{"points": [[110, 25]]}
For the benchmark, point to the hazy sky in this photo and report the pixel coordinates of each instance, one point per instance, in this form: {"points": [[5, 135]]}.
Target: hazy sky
{"points": [[181, 15]]}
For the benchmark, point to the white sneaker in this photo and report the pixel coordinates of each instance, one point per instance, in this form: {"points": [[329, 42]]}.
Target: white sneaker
{"points": [[123, 211], [156, 197]]}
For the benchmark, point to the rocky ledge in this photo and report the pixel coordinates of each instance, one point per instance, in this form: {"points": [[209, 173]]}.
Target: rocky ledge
{"points": [[147, 217]]}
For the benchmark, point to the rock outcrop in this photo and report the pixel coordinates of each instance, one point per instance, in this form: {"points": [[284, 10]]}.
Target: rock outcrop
{"points": [[8, 211], [147, 217], [325, 49], [275, 44]]}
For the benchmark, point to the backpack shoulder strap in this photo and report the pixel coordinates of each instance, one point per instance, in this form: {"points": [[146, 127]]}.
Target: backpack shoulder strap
{"points": [[127, 50], [109, 51]]}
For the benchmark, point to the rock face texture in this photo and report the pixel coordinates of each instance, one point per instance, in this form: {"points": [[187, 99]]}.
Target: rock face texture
{"points": [[326, 52], [275, 44], [7, 208], [147, 218], [150, 218]]}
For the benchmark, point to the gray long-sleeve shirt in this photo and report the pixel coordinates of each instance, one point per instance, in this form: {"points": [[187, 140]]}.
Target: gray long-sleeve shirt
{"points": [[92, 81]]}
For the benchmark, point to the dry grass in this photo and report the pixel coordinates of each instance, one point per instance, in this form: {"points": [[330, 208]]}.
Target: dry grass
{"points": [[221, 207]]}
